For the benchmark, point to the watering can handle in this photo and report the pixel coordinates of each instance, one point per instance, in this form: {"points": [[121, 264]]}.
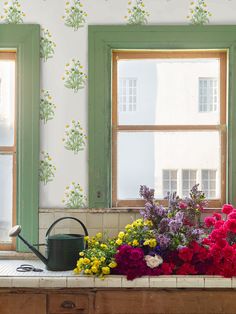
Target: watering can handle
{"points": [[55, 222]]}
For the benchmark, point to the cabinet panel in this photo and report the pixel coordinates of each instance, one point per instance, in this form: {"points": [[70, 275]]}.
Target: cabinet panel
{"points": [[22, 303], [68, 304], [165, 301]]}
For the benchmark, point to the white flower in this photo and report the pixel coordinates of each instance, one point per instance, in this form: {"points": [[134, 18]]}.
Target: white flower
{"points": [[153, 261]]}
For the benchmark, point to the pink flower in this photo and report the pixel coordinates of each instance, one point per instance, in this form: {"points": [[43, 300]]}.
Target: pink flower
{"points": [[209, 222], [227, 208], [219, 223], [218, 234], [182, 205], [136, 254]]}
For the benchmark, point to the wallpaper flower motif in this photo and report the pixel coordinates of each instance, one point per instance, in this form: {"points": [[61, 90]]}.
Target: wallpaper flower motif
{"points": [[12, 12], [46, 107], [199, 15], [74, 77], [46, 168], [137, 14], [74, 16], [74, 137], [74, 196], [46, 45]]}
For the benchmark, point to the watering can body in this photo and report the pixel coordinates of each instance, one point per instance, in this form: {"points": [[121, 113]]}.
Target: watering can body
{"points": [[62, 250]]}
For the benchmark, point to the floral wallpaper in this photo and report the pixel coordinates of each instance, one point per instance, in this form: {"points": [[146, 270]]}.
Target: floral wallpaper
{"points": [[63, 168]]}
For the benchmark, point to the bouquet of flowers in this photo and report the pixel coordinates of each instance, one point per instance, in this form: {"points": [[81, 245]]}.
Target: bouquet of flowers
{"points": [[167, 241]]}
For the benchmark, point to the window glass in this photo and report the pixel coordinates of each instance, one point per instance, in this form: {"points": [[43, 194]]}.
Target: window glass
{"points": [[169, 91]]}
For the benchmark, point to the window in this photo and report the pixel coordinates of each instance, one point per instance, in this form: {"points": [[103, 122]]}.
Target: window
{"points": [[208, 94], [208, 183], [19, 132], [167, 126], [105, 41], [7, 146], [189, 179], [169, 181], [127, 94]]}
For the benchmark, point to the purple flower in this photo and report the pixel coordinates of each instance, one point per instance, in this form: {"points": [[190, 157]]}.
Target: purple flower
{"points": [[175, 225], [163, 241]]}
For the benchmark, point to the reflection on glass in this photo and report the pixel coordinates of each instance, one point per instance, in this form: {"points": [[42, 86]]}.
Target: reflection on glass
{"points": [[6, 182], [168, 91], [7, 102], [168, 160]]}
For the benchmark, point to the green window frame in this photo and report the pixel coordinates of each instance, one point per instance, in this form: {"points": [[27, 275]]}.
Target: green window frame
{"points": [[104, 39], [26, 40]]}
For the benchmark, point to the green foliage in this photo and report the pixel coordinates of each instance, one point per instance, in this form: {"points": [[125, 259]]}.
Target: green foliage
{"points": [[46, 107], [46, 169], [74, 197], [74, 77], [12, 12], [199, 15], [46, 45], [74, 137], [137, 14], [74, 16]]}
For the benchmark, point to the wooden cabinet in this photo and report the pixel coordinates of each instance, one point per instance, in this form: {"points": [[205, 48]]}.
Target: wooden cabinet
{"points": [[117, 301], [68, 303], [13, 303]]}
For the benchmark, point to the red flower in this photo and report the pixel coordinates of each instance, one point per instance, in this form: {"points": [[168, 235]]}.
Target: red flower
{"points": [[209, 222], [185, 254], [219, 223], [231, 225], [167, 268], [136, 254], [221, 243], [186, 269], [227, 208], [232, 215], [218, 234], [217, 216]]}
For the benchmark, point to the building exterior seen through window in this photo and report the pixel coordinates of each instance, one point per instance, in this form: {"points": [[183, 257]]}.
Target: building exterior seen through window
{"points": [[127, 94], [208, 94], [176, 137], [7, 146]]}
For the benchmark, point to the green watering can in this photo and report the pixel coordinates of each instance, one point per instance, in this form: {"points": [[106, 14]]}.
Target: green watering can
{"points": [[62, 250]]}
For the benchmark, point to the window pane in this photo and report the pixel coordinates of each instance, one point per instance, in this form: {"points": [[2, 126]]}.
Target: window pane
{"points": [[6, 183], [192, 82], [209, 183], [7, 102], [143, 157]]}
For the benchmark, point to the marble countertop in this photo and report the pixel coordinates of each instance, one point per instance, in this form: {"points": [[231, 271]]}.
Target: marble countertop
{"points": [[10, 278]]}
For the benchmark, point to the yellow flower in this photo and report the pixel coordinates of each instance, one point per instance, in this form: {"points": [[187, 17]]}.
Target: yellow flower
{"points": [[148, 223], [102, 259], [103, 246], [86, 238], [99, 235], [87, 271], [106, 270], [81, 253], [152, 242], [86, 261], [128, 226], [112, 264], [118, 241], [121, 235], [135, 242], [94, 269]]}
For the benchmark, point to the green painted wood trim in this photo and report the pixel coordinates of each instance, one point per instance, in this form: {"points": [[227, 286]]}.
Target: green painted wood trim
{"points": [[26, 39], [102, 39]]}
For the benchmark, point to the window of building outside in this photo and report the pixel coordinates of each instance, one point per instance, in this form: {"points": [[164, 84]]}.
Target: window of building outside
{"points": [[127, 101], [7, 147], [177, 137], [169, 181], [208, 94]]}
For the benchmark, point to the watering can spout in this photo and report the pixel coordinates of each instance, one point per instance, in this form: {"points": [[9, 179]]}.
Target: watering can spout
{"points": [[15, 231]]}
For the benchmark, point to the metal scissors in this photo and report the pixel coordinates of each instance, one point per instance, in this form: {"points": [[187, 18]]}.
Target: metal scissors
{"points": [[27, 267]]}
